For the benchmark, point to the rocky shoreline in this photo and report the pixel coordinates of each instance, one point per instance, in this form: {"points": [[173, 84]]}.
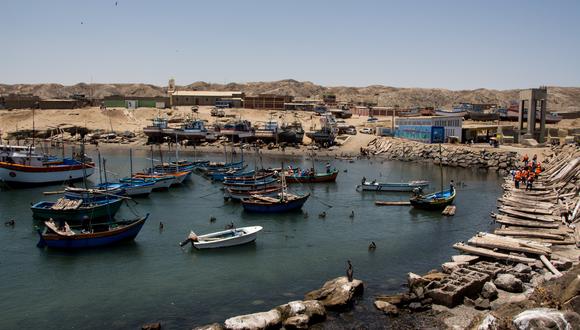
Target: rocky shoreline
{"points": [[447, 155]]}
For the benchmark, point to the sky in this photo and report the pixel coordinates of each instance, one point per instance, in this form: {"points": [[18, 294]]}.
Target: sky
{"points": [[432, 44]]}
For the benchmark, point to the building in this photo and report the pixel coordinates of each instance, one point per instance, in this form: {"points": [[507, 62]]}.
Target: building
{"points": [[235, 99], [267, 101], [429, 129], [300, 106], [21, 101], [59, 104], [133, 102]]}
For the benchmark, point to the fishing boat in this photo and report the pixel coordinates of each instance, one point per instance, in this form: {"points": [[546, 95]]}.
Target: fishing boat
{"points": [[455, 112], [22, 166], [284, 202], [131, 189], [178, 177], [228, 173], [93, 193], [253, 185], [157, 130], [224, 238], [484, 115], [192, 130], [76, 210], [309, 176], [291, 133], [392, 186], [328, 131], [159, 183], [97, 235], [240, 194], [435, 201], [267, 132], [237, 130]]}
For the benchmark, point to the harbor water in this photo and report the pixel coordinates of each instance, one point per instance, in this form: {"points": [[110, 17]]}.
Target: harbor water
{"points": [[153, 279]]}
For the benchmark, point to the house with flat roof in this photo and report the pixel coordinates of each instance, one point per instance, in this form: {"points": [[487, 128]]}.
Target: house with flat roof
{"points": [[235, 98]]}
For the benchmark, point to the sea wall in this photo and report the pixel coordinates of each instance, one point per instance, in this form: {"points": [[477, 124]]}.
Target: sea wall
{"points": [[449, 154]]}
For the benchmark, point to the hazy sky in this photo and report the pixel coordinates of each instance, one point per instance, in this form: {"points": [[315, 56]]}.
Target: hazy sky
{"points": [[449, 44]]}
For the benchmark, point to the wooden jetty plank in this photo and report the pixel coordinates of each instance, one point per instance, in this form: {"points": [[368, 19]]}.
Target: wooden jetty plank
{"points": [[524, 215], [528, 233], [577, 236], [525, 202], [389, 203], [529, 210], [550, 267], [490, 253], [507, 220], [449, 210], [511, 244]]}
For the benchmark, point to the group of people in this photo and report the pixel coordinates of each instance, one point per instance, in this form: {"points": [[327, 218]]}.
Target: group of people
{"points": [[528, 173]]}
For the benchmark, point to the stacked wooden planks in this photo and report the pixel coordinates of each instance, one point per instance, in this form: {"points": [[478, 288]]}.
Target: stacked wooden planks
{"points": [[532, 222], [67, 204]]}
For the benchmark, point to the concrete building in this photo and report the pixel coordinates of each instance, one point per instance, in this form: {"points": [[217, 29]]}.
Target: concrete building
{"points": [[59, 104], [267, 101], [429, 129], [206, 98], [531, 101], [21, 101], [133, 102]]}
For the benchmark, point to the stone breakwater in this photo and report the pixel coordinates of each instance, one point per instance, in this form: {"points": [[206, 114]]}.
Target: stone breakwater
{"points": [[448, 155]]}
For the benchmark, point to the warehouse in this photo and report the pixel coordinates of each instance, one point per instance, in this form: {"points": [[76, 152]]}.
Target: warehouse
{"points": [[235, 99], [133, 102], [267, 101], [21, 101], [429, 129]]}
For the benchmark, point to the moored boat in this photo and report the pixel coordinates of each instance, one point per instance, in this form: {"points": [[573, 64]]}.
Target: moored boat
{"points": [[239, 194], [299, 176], [96, 235], [225, 238], [392, 186], [76, 210], [285, 202], [434, 201]]}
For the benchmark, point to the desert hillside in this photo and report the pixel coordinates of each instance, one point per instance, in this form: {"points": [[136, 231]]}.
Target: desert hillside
{"points": [[561, 99]]}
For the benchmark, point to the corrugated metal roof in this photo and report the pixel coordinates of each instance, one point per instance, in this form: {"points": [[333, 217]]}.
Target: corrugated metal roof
{"points": [[205, 93]]}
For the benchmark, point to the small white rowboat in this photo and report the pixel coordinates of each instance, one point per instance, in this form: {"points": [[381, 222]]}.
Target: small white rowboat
{"points": [[225, 238], [394, 186]]}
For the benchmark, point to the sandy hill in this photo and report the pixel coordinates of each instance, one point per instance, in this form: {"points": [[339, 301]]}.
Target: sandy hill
{"points": [[561, 99]]}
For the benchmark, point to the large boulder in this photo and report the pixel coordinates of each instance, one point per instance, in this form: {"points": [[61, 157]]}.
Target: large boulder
{"points": [[151, 326], [256, 321], [213, 326], [337, 293], [311, 308], [489, 322], [545, 318], [489, 291], [509, 282], [297, 322], [387, 308]]}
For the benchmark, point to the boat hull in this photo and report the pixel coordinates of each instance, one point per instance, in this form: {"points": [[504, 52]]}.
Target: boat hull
{"points": [[317, 178], [280, 207], [394, 187], [19, 175], [250, 236], [92, 240], [429, 203], [42, 211]]}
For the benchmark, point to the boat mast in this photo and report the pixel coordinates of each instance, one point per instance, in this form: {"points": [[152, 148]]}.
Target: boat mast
{"points": [[441, 166], [176, 153], [100, 169], [131, 167], [152, 165]]}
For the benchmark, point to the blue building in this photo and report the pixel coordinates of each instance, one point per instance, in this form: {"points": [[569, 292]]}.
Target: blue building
{"points": [[429, 129]]}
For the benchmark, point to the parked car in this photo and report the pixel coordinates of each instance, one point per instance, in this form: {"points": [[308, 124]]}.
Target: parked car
{"points": [[351, 131], [366, 130], [372, 119], [194, 108]]}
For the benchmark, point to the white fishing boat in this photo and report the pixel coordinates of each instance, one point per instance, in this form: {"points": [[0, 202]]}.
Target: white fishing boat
{"points": [[225, 238], [392, 186]]}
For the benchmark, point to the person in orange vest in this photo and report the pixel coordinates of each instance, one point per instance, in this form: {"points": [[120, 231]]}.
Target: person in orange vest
{"points": [[525, 159], [517, 179], [538, 170], [530, 181]]}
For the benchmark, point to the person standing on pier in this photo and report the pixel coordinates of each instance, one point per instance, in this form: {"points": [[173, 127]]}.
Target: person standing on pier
{"points": [[452, 186]]}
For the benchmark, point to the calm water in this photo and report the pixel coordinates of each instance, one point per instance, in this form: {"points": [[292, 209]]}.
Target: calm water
{"points": [[153, 279]]}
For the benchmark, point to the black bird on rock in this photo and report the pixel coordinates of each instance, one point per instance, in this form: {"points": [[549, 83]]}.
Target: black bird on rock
{"points": [[349, 271]]}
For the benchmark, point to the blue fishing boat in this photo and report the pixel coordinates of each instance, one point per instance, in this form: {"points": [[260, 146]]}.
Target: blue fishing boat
{"points": [[92, 237], [253, 185], [76, 210], [131, 189], [284, 203], [159, 183], [435, 201], [231, 173]]}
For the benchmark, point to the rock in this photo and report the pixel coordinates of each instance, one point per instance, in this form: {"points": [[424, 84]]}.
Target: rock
{"points": [[337, 293], [393, 299], [562, 265], [414, 280], [450, 267], [522, 268], [545, 318], [415, 307], [297, 322], [152, 326], [468, 301], [489, 322], [419, 291], [572, 304], [465, 258], [481, 304], [509, 282], [434, 276], [571, 290], [213, 326], [387, 308], [311, 308], [489, 291], [256, 321]]}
